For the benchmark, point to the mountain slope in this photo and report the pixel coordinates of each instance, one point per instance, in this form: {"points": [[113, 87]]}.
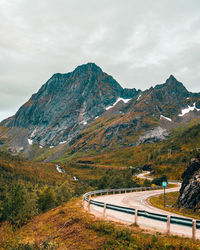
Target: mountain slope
{"points": [[168, 157]]}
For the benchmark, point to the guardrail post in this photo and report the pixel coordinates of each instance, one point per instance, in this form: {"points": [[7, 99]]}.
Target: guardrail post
{"points": [[89, 205], [107, 193], [83, 201], [113, 192], [194, 229], [136, 217], [104, 210], [168, 224]]}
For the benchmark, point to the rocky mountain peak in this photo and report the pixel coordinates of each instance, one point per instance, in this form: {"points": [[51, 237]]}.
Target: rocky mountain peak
{"points": [[87, 68], [66, 103], [172, 91], [172, 78], [172, 83]]}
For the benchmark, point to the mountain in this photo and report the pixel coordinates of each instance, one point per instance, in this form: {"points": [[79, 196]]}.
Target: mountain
{"points": [[88, 111], [66, 103], [148, 117]]}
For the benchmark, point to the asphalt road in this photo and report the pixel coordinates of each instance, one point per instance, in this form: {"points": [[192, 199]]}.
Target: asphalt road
{"points": [[138, 200]]}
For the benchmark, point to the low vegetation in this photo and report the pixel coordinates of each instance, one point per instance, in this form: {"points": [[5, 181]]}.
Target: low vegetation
{"points": [[171, 205], [169, 157], [31, 188], [69, 226]]}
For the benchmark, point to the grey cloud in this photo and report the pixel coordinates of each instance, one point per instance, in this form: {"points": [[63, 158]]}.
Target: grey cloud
{"points": [[140, 43]]}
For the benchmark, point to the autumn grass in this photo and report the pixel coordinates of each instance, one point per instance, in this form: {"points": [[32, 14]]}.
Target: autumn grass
{"points": [[169, 157], [15, 168], [171, 205], [70, 227]]}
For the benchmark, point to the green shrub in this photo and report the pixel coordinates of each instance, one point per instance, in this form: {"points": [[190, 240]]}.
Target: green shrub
{"points": [[19, 205], [46, 198], [64, 192], [158, 181]]}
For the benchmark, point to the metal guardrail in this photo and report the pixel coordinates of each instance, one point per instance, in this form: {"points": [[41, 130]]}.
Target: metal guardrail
{"points": [[195, 224], [154, 216], [92, 193]]}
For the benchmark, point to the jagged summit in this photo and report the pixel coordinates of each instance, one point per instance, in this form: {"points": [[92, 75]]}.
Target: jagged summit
{"points": [[88, 67], [171, 77], [174, 82], [174, 87]]}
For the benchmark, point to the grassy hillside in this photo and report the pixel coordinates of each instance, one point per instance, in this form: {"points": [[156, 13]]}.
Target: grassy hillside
{"points": [[14, 168], [30, 188], [169, 157], [70, 227], [172, 205]]}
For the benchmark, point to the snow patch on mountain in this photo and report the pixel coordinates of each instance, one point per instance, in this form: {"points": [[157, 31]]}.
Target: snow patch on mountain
{"points": [[118, 100], [30, 142], [166, 118], [33, 133], [187, 110], [62, 142], [59, 169]]}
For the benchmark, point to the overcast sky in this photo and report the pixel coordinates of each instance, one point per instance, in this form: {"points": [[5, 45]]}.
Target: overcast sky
{"points": [[139, 42]]}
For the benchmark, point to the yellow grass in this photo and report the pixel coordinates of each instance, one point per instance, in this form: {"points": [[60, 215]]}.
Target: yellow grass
{"points": [[171, 205], [70, 227]]}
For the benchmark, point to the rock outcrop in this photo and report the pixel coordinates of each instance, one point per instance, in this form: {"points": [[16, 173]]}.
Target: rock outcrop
{"points": [[190, 190], [154, 135]]}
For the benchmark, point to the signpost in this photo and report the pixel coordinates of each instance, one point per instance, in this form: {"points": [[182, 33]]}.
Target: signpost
{"points": [[164, 184]]}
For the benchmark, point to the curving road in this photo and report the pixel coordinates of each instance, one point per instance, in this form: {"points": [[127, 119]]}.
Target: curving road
{"points": [[139, 200]]}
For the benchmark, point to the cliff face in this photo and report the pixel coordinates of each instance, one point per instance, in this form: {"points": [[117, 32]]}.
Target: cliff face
{"points": [[190, 190]]}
